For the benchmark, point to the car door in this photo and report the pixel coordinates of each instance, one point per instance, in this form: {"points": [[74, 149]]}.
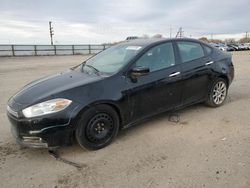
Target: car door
{"points": [[195, 69], [160, 89]]}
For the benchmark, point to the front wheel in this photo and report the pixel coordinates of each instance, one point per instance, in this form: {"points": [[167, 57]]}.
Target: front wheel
{"points": [[218, 93], [97, 127]]}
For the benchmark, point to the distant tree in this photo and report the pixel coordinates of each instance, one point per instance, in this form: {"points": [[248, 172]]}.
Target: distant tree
{"points": [[117, 42], [244, 40], [204, 39], [145, 36], [230, 40], [216, 41], [157, 36]]}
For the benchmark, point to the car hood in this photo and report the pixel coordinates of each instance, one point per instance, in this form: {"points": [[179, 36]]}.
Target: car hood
{"points": [[47, 87]]}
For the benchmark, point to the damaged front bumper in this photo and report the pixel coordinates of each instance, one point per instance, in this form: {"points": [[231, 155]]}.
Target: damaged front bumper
{"points": [[49, 131], [32, 142]]}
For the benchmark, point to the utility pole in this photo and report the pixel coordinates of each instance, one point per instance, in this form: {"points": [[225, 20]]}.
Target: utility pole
{"points": [[246, 34], [180, 33], [170, 34], [51, 31]]}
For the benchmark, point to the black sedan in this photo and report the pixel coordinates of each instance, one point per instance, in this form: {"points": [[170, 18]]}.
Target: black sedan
{"points": [[117, 88]]}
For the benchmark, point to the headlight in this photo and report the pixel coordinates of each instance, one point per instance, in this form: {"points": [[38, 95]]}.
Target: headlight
{"points": [[47, 107]]}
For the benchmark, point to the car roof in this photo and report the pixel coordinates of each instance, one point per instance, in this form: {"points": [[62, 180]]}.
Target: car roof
{"points": [[147, 42]]}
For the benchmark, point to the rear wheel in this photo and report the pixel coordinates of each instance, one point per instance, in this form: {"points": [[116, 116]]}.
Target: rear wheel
{"points": [[218, 93], [97, 127]]}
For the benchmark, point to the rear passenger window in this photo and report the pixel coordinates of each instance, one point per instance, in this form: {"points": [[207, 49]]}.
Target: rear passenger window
{"points": [[190, 51]]}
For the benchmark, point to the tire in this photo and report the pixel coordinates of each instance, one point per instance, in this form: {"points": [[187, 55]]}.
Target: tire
{"points": [[97, 127], [218, 93]]}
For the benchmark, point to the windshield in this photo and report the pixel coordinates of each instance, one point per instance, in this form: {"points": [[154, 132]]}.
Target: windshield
{"points": [[111, 60]]}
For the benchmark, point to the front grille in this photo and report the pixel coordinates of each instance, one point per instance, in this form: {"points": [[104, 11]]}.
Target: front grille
{"points": [[12, 112]]}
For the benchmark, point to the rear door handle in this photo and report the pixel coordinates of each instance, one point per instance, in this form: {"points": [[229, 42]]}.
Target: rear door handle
{"points": [[174, 74], [209, 63]]}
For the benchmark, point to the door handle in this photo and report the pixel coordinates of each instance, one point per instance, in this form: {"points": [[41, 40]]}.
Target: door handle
{"points": [[209, 63], [174, 74]]}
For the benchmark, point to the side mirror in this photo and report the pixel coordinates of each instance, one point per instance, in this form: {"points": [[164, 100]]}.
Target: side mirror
{"points": [[139, 71]]}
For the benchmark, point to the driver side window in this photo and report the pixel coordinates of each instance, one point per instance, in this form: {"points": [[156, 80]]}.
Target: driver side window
{"points": [[158, 57]]}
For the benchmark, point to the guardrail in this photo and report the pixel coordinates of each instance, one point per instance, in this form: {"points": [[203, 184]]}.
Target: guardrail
{"points": [[39, 50]]}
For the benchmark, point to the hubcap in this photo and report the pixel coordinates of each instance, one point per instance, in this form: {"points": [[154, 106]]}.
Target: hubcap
{"points": [[219, 92], [99, 128]]}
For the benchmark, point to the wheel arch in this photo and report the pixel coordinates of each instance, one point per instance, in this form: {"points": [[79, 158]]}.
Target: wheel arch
{"points": [[225, 78], [108, 103]]}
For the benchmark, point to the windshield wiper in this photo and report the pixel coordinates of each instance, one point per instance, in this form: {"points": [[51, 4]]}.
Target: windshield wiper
{"points": [[92, 67], [73, 68]]}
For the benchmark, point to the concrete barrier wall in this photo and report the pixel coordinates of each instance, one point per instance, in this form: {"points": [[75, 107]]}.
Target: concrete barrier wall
{"points": [[38, 50]]}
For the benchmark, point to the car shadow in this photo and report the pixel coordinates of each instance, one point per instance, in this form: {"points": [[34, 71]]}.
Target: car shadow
{"points": [[69, 152], [128, 132], [172, 117]]}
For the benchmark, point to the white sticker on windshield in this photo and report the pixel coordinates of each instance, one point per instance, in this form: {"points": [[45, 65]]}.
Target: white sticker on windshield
{"points": [[133, 48]]}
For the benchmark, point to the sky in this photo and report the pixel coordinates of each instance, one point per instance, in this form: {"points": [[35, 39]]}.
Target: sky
{"points": [[104, 21]]}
